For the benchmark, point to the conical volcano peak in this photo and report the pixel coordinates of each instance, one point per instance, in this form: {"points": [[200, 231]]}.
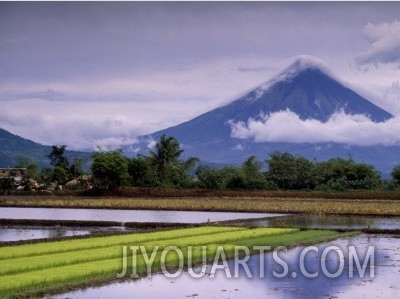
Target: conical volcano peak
{"points": [[307, 88], [297, 66], [302, 63]]}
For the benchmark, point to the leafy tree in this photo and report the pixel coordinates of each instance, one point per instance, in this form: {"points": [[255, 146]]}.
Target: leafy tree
{"points": [[340, 174], [46, 175], [396, 174], [31, 167], [76, 169], [233, 178], [60, 175], [141, 172], [6, 184], [184, 175], [251, 170], [109, 169], [209, 178], [290, 172], [249, 176], [252, 167]]}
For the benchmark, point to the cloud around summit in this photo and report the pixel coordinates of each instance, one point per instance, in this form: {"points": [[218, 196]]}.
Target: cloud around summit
{"points": [[286, 126]]}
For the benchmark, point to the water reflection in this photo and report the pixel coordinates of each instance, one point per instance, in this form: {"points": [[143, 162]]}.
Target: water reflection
{"points": [[12, 233], [330, 221], [384, 284], [126, 215]]}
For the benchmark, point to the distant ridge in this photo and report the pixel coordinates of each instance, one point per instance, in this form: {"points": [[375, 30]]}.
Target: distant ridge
{"points": [[12, 147]]}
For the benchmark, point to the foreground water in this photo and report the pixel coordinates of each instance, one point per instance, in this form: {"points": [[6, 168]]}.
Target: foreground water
{"points": [[384, 284], [330, 222], [126, 215], [18, 233]]}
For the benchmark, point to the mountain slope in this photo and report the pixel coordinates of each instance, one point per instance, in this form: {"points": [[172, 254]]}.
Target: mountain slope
{"points": [[12, 147], [302, 88], [306, 89]]}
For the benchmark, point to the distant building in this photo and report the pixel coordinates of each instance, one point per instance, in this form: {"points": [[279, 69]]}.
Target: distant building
{"points": [[13, 172], [11, 177]]}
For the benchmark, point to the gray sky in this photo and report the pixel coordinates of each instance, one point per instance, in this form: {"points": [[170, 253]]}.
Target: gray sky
{"points": [[102, 73]]}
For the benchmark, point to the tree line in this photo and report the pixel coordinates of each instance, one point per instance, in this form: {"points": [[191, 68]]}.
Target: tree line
{"points": [[164, 167]]}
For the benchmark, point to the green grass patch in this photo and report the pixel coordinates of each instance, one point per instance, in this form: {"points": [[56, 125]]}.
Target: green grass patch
{"points": [[32, 270]]}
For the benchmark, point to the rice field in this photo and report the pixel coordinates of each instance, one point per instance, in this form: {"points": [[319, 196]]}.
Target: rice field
{"points": [[37, 269], [351, 206]]}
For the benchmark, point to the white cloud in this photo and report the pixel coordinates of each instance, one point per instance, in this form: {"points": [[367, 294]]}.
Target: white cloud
{"points": [[151, 143], [384, 45], [82, 126], [286, 126]]}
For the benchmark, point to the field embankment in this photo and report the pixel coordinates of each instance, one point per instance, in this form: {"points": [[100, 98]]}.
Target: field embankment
{"points": [[140, 192], [374, 204]]}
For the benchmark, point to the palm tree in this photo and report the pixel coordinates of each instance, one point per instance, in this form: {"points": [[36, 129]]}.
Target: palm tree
{"points": [[57, 157], [165, 154], [189, 165]]}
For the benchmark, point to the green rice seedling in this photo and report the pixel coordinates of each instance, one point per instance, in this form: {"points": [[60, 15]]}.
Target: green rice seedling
{"points": [[56, 268], [99, 242], [29, 263]]}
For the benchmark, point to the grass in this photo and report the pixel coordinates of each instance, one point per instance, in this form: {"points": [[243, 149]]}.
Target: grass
{"points": [[351, 206], [35, 269]]}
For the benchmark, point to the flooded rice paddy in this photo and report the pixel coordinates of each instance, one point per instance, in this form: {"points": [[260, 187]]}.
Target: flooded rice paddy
{"points": [[383, 284], [22, 232], [330, 222], [18, 233], [126, 215]]}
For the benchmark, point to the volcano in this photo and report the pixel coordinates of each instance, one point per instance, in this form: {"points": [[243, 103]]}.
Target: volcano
{"points": [[306, 88]]}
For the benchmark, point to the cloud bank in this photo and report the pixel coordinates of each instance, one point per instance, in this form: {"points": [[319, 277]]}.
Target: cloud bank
{"points": [[286, 126], [384, 45], [52, 123]]}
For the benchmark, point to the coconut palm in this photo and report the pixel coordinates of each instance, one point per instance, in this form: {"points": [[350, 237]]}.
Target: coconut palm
{"points": [[165, 154], [57, 157]]}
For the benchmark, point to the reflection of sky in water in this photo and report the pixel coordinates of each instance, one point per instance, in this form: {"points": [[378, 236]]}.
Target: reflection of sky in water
{"points": [[125, 215], [332, 221], [29, 233], [384, 284]]}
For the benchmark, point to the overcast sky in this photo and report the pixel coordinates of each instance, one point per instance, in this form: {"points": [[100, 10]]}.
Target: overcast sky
{"points": [[96, 73]]}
